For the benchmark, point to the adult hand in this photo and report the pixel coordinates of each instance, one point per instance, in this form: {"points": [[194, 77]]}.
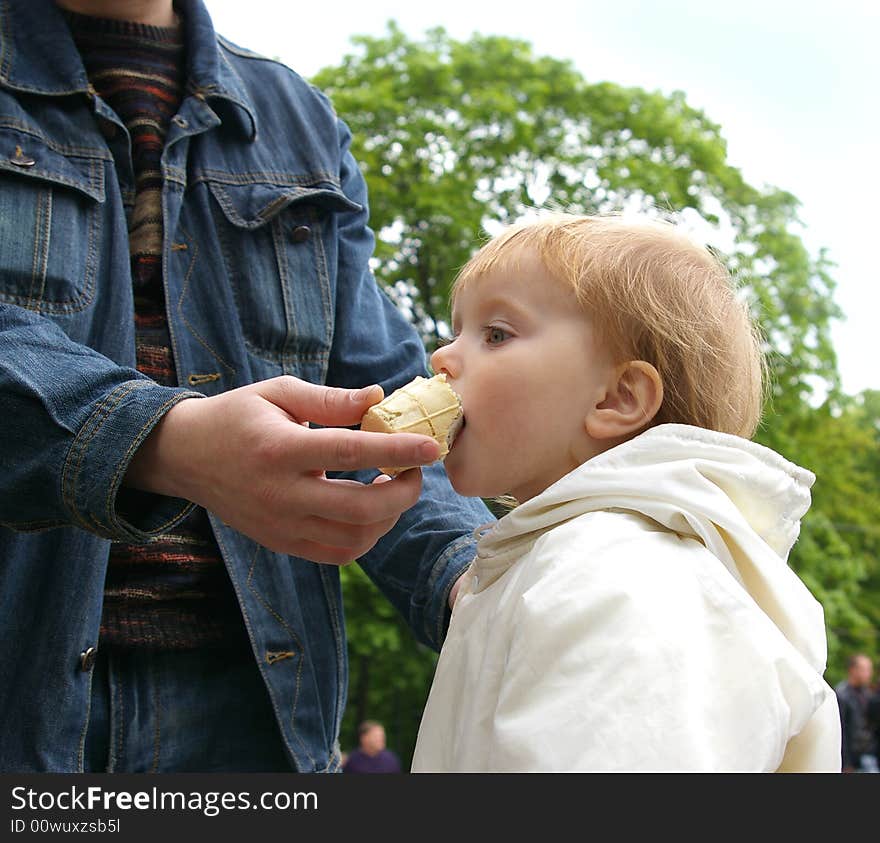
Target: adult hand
{"points": [[249, 456]]}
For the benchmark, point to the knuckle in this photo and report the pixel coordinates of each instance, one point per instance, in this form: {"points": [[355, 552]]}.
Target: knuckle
{"points": [[332, 397], [327, 400], [363, 536], [348, 451], [411, 483], [268, 496], [267, 450], [287, 384], [360, 512]]}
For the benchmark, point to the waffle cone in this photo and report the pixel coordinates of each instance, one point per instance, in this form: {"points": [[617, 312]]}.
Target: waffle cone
{"points": [[425, 405]]}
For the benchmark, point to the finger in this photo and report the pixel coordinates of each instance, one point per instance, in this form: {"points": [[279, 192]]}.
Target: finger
{"points": [[349, 502], [356, 538], [339, 449], [321, 553], [329, 405]]}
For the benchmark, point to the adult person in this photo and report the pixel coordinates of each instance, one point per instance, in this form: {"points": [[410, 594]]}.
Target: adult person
{"points": [[854, 696], [372, 754], [187, 323]]}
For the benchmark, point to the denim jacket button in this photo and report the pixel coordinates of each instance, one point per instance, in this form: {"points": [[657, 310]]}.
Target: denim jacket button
{"points": [[20, 159], [180, 121], [300, 234], [87, 659]]}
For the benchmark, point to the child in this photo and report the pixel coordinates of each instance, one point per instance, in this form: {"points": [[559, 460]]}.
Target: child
{"points": [[635, 611]]}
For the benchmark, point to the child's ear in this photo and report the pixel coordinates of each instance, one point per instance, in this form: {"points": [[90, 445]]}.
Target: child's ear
{"points": [[633, 398]]}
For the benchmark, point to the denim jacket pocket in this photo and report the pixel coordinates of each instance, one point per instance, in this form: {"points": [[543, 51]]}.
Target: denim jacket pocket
{"points": [[279, 248], [50, 224]]}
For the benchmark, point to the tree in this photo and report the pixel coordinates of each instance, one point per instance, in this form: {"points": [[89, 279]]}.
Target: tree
{"points": [[389, 671], [838, 553], [455, 137]]}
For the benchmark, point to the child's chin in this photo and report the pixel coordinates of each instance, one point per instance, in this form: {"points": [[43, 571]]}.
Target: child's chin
{"points": [[468, 487]]}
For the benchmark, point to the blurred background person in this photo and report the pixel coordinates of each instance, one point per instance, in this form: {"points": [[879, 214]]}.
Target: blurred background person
{"points": [[371, 756], [854, 696]]}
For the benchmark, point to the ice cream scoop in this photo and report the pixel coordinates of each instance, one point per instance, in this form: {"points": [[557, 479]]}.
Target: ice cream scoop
{"points": [[424, 405]]}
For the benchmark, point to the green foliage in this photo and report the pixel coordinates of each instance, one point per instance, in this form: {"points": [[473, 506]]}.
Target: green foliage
{"points": [[457, 137], [389, 671], [838, 554]]}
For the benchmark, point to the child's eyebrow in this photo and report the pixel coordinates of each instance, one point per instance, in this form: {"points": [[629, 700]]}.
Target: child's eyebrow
{"points": [[496, 303], [492, 304]]}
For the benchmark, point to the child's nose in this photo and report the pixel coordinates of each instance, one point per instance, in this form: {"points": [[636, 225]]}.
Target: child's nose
{"points": [[442, 360]]}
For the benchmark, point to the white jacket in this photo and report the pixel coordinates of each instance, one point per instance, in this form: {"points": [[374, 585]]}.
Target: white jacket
{"points": [[640, 614]]}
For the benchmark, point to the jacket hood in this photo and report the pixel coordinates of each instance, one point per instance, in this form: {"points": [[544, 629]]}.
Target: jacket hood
{"points": [[743, 501]]}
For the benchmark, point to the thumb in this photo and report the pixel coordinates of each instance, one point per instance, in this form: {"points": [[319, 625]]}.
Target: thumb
{"points": [[325, 405]]}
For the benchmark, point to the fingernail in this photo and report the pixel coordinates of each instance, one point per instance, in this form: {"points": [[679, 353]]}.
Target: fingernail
{"points": [[428, 451], [363, 394]]}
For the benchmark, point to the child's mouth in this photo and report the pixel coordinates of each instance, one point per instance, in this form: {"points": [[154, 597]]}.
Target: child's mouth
{"points": [[458, 432]]}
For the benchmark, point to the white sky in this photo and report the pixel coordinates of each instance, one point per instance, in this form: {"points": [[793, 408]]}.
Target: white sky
{"points": [[794, 86]]}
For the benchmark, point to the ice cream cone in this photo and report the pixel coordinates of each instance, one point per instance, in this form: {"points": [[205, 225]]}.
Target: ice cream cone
{"points": [[425, 405]]}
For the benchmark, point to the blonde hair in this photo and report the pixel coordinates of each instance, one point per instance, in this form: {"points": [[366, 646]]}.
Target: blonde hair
{"points": [[653, 295]]}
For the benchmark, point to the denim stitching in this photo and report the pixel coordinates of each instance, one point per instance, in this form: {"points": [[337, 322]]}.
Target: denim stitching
{"points": [[71, 472], [229, 210], [278, 178], [220, 227], [286, 357], [34, 526], [120, 469], [194, 251], [80, 446], [273, 208], [224, 552], [136, 443], [323, 274], [291, 328], [276, 357], [298, 644], [81, 754], [333, 763], [34, 253], [339, 638], [84, 291], [166, 274], [245, 53], [243, 103], [44, 174], [5, 58], [68, 151], [40, 252], [29, 89]]}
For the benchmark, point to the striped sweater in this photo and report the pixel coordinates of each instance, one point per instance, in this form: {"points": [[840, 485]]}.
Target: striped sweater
{"points": [[172, 592]]}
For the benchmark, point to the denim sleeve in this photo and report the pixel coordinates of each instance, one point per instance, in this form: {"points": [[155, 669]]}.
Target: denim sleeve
{"points": [[70, 421], [417, 562]]}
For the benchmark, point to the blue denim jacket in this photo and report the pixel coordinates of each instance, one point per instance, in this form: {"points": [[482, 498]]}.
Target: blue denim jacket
{"points": [[266, 271]]}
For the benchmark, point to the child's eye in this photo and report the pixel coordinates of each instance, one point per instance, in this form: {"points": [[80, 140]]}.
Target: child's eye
{"points": [[495, 335]]}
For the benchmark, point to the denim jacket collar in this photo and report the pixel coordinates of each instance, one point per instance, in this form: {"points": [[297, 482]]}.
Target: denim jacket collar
{"points": [[31, 31]]}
